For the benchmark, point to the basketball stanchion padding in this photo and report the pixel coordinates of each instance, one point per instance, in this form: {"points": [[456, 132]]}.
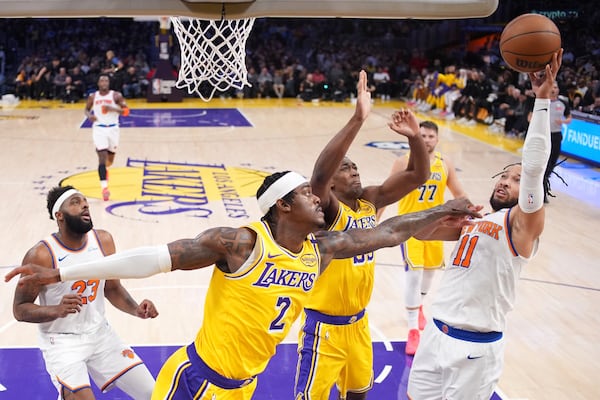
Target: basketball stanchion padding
{"points": [[212, 52]]}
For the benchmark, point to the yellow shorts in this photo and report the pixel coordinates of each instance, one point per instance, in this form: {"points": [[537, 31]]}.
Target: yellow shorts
{"points": [[419, 254], [331, 354], [179, 379]]}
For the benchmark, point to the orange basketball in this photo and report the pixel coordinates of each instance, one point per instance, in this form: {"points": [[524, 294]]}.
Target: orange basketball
{"points": [[528, 42]]}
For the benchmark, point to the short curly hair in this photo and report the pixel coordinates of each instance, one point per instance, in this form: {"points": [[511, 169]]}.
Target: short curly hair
{"points": [[53, 195]]}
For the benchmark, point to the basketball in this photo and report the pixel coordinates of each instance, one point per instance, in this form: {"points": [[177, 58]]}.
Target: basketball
{"points": [[528, 42]]}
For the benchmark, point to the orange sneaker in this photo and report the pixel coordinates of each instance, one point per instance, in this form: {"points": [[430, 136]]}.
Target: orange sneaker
{"points": [[414, 336], [105, 194], [422, 319]]}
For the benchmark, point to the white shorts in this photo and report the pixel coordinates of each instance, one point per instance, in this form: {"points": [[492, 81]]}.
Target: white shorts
{"points": [[69, 358], [448, 368], [106, 137]]}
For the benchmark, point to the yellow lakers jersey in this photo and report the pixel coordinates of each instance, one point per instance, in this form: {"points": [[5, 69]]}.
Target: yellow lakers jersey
{"points": [[346, 285], [431, 193], [249, 312]]}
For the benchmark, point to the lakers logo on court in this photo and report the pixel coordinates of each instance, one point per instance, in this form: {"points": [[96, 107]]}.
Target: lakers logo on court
{"points": [[151, 189]]}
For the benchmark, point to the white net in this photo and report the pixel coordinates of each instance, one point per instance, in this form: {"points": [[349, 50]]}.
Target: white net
{"points": [[213, 54]]}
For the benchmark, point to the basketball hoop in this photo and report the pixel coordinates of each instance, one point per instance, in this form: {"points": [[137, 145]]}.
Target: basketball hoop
{"points": [[212, 51]]}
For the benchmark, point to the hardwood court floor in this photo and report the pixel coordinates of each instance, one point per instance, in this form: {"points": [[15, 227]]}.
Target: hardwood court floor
{"points": [[553, 335]]}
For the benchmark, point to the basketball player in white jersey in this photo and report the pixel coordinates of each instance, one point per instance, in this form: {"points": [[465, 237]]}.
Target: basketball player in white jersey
{"points": [[103, 109], [461, 353], [74, 335]]}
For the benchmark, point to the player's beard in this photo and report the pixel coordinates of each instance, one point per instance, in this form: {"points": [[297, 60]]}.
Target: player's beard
{"points": [[77, 225], [499, 205]]}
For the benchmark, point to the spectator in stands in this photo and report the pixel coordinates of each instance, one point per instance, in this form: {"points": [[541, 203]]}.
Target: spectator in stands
{"points": [[23, 83], [265, 83], [320, 83], [278, 85], [289, 81], [70, 95], [517, 114], [593, 108], [574, 95], [250, 92], [42, 81], [60, 83], [78, 82], [382, 81], [131, 83], [307, 90], [338, 91]]}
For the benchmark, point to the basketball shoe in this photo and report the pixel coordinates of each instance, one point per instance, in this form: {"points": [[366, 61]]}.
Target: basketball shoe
{"points": [[105, 194]]}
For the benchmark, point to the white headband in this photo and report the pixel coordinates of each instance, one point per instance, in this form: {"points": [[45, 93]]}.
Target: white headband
{"points": [[61, 200], [279, 189]]}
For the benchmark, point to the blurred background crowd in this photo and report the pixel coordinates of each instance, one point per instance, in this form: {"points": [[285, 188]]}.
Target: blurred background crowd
{"points": [[447, 67]]}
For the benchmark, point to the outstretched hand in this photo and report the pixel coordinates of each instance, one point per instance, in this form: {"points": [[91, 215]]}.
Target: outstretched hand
{"points": [[32, 274], [405, 123], [542, 81], [462, 207], [363, 99]]}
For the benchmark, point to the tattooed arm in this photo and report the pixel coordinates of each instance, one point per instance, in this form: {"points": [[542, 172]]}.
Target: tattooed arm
{"points": [[228, 248], [392, 231]]}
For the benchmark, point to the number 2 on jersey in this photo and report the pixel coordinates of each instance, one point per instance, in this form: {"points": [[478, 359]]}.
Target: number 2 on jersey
{"points": [[465, 251], [283, 303]]}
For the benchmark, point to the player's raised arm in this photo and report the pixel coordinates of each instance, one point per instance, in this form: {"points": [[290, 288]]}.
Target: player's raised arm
{"points": [[404, 178], [527, 220], [330, 158]]}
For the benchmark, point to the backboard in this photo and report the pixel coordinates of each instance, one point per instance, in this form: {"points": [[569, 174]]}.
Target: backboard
{"points": [[418, 9]]}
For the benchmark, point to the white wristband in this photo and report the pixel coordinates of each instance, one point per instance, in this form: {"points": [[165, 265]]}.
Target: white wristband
{"points": [[141, 262]]}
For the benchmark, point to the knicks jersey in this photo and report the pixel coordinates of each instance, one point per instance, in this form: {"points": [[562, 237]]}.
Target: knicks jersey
{"points": [[478, 287], [346, 285], [91, 291], [249, 312], [109, 118]]}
